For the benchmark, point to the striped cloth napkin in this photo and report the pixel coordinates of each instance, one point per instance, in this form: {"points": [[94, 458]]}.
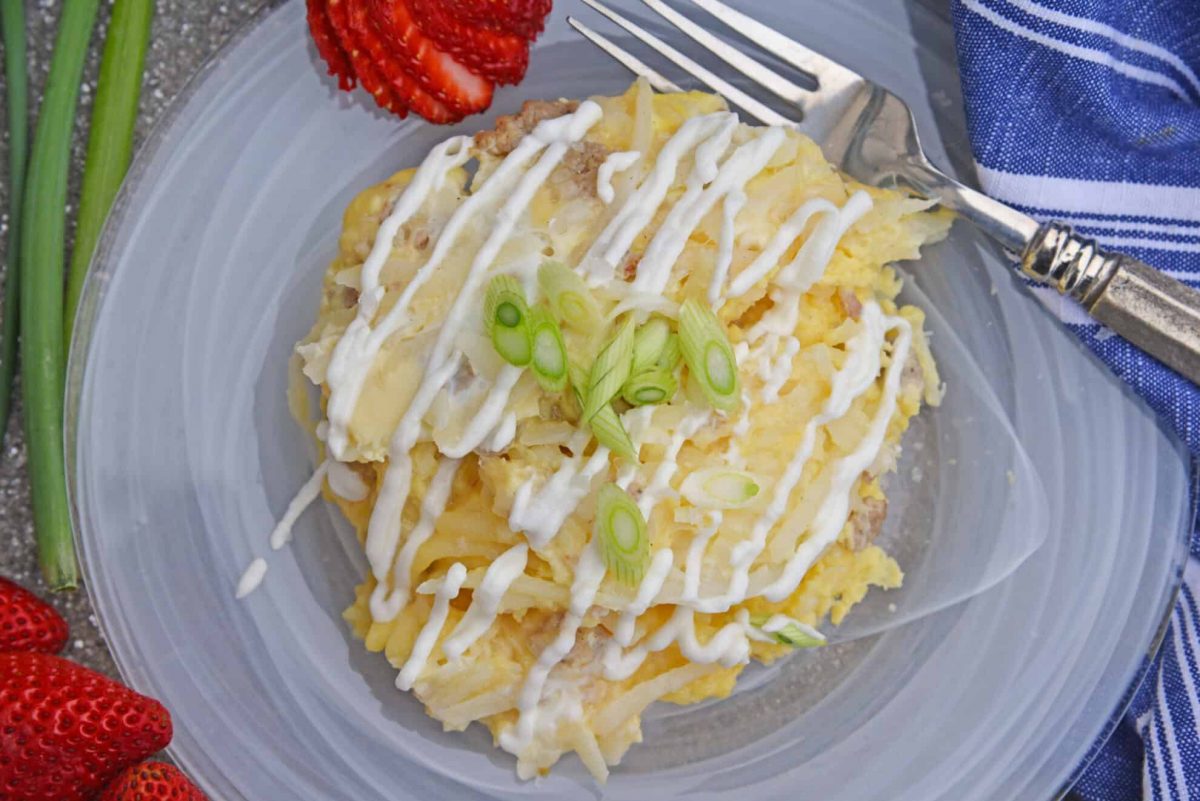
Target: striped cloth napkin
{"points": [[1088, 111]]}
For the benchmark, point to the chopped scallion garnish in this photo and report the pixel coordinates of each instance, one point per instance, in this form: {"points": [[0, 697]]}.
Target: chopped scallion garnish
{"points": [[621, 532], [610, 432], [793, 633], [708, 354], [649, 387], [720, 488], [506, 320], [606, 423], [648, 343], [671, 354], [573, 303], [549, 360], [610, 371]]}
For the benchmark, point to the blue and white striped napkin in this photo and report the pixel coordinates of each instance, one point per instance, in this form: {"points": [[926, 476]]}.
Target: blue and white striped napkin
{"points": [[1088, 111]]}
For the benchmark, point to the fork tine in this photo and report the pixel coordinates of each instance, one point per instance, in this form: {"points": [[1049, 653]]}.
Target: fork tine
{"points": [[731, 93], [625, 58], [829, 73], [771, 80]]}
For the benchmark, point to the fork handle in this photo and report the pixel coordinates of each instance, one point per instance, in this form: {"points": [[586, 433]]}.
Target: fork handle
{"points": [[1153, 311]]}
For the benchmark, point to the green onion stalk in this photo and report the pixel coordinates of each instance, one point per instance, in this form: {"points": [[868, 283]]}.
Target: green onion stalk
{"points": [[12, 19], [41, 288], [110, 143]]}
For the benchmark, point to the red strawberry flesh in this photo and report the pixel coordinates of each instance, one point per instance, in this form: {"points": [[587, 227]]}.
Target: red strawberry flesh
{"points": [[438, 72], [526, 18], [152, 781], [400, 83], [495, 55], [65, 731], [27, 623], [328, 46], [368, 75]]}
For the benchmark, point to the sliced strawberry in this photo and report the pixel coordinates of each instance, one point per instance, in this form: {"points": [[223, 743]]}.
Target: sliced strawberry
{"points": [[328, 47], [402, 85], [368, 75], [525, 18], [438, 72], [497, 56]]}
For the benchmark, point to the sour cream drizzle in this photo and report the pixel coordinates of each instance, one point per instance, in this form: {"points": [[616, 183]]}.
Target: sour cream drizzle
{"points": [[553, 137], [309, 492], [541, 514], [360, 343], [589, 572], [385, 605], [615, 163], [447, 591], [485, 600], [614, 241], [747, 161]]}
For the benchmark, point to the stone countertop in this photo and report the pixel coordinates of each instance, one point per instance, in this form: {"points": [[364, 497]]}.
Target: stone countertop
{"points": [[185, 34]]}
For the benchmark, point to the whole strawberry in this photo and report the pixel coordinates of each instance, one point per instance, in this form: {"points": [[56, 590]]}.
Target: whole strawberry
{"points": [[27, 623], [66, 731], [152, 781]]}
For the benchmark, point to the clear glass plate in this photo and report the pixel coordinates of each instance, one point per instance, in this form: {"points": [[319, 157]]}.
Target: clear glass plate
{"points": [[184, 455]]}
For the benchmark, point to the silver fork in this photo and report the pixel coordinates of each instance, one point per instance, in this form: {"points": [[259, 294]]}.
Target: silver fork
{"points": [[871, 135]]}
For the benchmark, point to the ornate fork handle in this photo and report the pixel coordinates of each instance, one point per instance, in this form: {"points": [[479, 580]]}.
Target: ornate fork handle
{"points": [[1153, 311]]}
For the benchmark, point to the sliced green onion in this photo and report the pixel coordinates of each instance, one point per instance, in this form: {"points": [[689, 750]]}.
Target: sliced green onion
{"points": [[649, 387], [648, 343], [605, 424], [506, 320], [793, 633], [16, 77], [549, 360], [42, 349], [708, 354], [621, 532], [611, 370], [573, 303], [720, 488], [110, 141], [671, 354], [610, 432]]}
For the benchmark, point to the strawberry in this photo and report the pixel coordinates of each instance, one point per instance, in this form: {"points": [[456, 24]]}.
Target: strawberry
{"points": [[65, 731], [402, 85], [27, 623], [368, 75], [438, 72], [525, 18], [328, 46], [495, 55], [152, 781]]}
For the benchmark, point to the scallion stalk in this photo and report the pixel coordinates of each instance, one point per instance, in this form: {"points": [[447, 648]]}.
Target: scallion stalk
{"points": [[708, 354], [611, 370], [12, 18], [506, 320], [793, 633], [621, 532], [648, 343], [549, 359], [649, 387], [110, 141], [42, 256], [570, 298]]}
